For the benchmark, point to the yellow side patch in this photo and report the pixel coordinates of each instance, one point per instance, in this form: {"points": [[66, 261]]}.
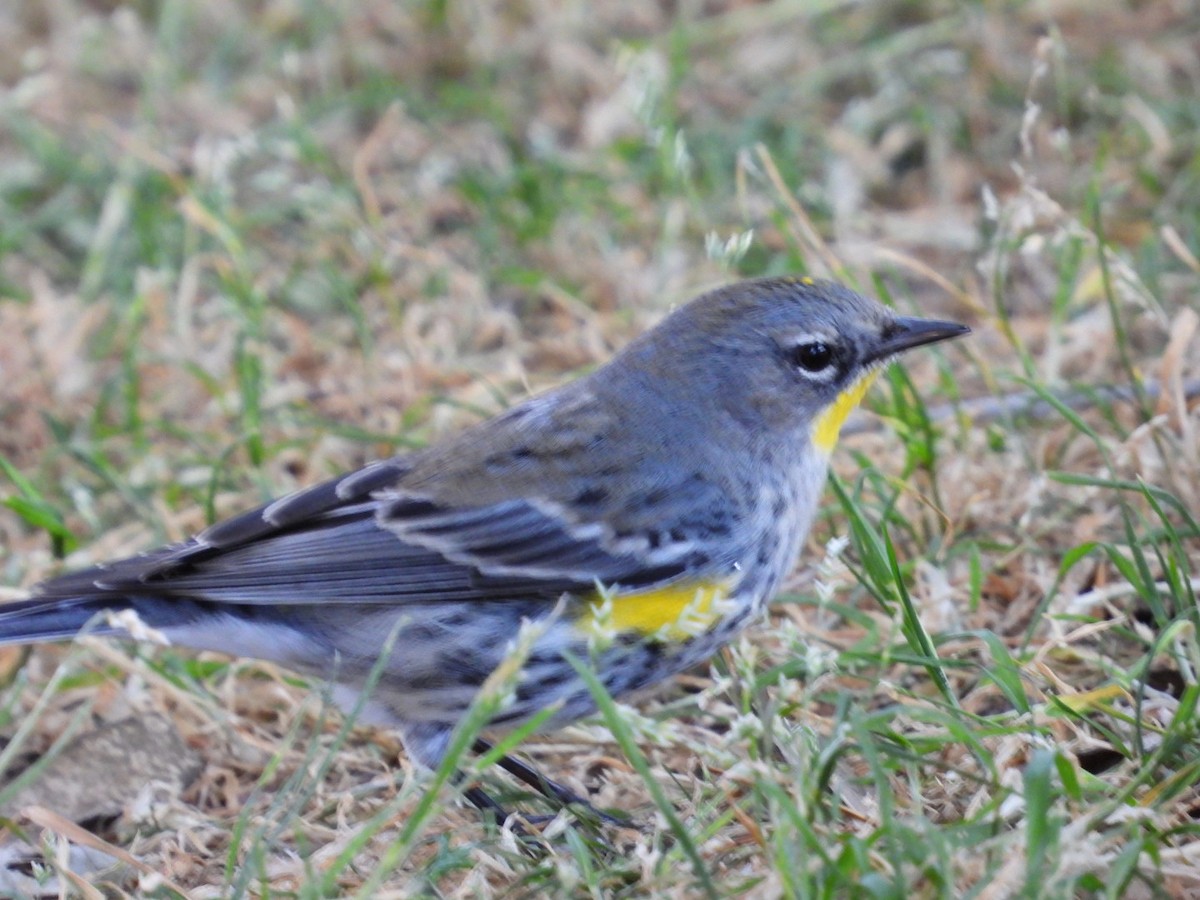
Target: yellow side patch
{"points": [[829, 423], [672, 613]]}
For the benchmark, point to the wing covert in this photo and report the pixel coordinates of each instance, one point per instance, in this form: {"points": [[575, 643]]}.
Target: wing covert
{"points": [[329, 544]]}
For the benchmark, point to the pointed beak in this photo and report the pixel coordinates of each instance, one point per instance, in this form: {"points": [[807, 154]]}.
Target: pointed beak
{"points": [[906, 332]]}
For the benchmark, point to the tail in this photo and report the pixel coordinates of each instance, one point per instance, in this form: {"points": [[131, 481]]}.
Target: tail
{"points": [[41, 619], [44, 619], [64, 606]]}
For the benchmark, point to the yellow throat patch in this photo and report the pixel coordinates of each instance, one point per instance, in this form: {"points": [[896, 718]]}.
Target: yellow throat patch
{"points": [[828, 424], [671, 613]]}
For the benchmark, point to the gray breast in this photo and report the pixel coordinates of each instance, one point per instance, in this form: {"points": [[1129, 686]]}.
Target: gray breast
{"points": [[783, 514]]}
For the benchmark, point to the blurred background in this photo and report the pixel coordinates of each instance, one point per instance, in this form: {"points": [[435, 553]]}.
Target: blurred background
{"points": [[247, 245]]}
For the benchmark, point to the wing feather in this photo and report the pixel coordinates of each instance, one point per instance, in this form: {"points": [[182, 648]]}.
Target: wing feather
{"points": [[336, 544]]}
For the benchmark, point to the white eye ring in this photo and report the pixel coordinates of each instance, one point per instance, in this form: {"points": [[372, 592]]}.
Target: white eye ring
{"points": [[815, 357]]}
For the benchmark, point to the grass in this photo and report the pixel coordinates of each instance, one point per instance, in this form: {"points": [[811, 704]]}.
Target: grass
{"points": [[243, 248]]}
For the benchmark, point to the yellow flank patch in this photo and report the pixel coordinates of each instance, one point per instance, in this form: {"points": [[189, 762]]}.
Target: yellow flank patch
{"points": [[672, 613], [829, 423]]}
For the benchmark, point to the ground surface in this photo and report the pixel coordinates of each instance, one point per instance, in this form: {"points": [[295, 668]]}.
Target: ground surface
{"points": [[247, 245]]}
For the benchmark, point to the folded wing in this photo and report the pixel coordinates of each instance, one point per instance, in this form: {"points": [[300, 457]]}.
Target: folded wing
{"points": [[362, 539]]}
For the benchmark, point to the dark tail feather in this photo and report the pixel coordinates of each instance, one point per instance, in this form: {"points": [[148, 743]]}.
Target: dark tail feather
{"points": [[39, 619]]}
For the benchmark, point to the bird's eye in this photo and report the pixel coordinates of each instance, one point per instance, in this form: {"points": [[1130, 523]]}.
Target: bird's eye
{"points": [[813, 356]]}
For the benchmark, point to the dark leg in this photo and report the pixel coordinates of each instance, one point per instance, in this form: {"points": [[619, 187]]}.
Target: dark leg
{"points": [[483, 801], [551, 790]]}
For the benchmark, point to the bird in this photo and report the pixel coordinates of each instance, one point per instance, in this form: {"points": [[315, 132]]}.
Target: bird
{"points": [[637, 517]]}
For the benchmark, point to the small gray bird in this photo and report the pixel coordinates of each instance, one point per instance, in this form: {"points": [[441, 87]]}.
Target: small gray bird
{"points": [[641, 516]]}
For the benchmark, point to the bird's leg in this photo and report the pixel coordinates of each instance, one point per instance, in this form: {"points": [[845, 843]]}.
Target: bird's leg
{"points": [[483, 801], [551, 790], [486, 804]]}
